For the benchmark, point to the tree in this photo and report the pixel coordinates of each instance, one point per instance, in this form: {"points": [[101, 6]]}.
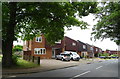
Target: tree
{"points": [[31, 19], [108, 25]]}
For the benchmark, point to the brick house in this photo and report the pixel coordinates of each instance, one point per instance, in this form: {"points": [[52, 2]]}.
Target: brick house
{"points": [[69, 44], [82, 49], [97, 50], [110, 52], [39, 47], [90, 50]]}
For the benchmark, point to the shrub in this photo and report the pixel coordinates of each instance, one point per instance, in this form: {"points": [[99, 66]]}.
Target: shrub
{"points": [[15, 58]]}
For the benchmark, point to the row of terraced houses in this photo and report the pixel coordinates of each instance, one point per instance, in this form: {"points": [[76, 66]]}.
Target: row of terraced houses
{"points": [[39, 47]]}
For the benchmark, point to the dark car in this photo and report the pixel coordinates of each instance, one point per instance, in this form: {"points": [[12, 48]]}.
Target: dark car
{"points": [[102, 57], [109, 57]]}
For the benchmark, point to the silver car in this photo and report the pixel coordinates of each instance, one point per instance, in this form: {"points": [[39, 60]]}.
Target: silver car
{"points": [[63, 56]]}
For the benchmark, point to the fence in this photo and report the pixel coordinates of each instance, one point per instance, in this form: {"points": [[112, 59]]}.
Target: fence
{"points": [[27, 56]]}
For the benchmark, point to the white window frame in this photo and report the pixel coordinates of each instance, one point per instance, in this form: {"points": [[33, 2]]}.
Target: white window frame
{"points": [[58, 41], [84, 47], [96, 49], [39, 52], [73, 44], [91, 48], [38, 39]]}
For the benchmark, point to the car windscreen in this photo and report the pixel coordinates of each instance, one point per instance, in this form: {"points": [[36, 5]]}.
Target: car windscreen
{"points": [[74, 53], [66, 54]]}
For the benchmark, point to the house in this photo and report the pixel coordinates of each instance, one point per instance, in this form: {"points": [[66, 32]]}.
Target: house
{"points": [[110, 52], [39, 47], [96, 51], [69, 44], [82, 49], [90, 50]]}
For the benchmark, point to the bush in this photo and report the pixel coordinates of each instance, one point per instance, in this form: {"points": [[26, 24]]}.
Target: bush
{"points": [[17, 48], [15, 58], [115, 55]]}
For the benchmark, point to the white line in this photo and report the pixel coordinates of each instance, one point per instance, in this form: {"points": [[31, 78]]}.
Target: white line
{"points": [[80, 74], [99, 67], [12, 76]]}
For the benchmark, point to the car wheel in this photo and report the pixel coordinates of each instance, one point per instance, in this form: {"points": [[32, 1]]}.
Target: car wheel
{"points": [[71, 58], [62, 59]]}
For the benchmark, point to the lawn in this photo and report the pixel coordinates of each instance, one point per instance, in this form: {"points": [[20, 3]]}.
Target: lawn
{"points": [[25, 64], [22, 64]]}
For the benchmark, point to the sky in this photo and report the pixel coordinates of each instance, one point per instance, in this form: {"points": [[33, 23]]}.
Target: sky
{"points": [[84, 35]]}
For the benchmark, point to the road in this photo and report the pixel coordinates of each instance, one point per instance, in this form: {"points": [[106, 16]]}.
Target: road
{"points": [[106, 68]]}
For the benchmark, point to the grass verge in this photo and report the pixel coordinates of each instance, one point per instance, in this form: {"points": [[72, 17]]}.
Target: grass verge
{"points": [[22, 64], [25, 64]]}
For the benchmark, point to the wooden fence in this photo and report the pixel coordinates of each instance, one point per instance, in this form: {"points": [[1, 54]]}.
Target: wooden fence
{"points": [[27, 56]]}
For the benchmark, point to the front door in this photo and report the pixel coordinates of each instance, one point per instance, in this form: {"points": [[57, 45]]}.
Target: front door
{"points": [[53, 53]]}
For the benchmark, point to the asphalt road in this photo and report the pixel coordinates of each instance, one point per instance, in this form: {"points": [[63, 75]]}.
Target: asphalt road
{"points": [[106, 68]]}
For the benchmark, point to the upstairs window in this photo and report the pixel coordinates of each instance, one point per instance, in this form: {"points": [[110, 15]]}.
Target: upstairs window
{"points": [[84, 47], [73, 44], [91, 48], [58, 42], [39, 39], [96, 49]]}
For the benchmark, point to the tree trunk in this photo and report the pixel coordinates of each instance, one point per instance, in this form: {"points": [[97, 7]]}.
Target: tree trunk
{"points": [[8, 42]]}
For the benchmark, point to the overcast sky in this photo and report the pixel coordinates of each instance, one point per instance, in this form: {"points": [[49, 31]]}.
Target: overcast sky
{"points": [[84, 35]]}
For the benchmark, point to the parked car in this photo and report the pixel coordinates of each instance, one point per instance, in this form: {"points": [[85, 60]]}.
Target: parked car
{"points": [[109, 57], [73, 55], [117, 57], [63, 56], [102, 57], [114, 57]]}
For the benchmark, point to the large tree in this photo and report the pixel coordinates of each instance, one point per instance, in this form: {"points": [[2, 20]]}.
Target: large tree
{"points": [[108, 25], [27, 20]]}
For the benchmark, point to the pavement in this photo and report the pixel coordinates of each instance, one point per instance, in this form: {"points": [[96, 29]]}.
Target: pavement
{"points": [[47, 65]]}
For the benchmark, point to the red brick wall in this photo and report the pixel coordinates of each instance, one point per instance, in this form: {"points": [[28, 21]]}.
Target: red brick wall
{"points": [[41, 45], [68, 44]]}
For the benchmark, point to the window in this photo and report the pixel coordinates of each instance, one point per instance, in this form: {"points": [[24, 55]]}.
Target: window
{"points": [[39, 51], [74, 44], [96, 49], [84, 47], [39, 39], [58, 41], [91, 48]]}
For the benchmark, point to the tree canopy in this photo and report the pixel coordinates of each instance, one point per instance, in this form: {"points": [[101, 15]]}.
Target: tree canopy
{"points": [[108, 25], [28, 19], [48, 18]]}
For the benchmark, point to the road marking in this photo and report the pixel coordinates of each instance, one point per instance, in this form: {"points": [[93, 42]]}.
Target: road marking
{"points": [[99, 67], [80, 74], [12, 76]]}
